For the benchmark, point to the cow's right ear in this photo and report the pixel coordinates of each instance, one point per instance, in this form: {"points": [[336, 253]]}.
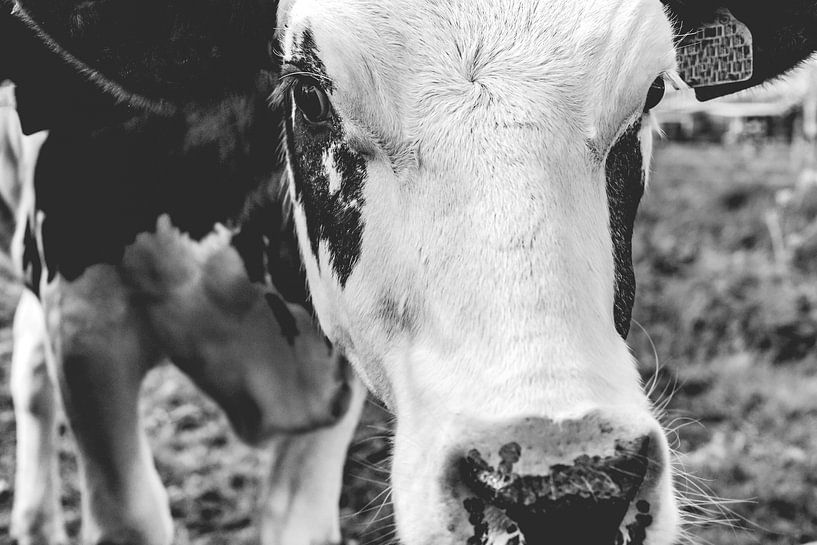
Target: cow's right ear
{"points": [[725, 46]]}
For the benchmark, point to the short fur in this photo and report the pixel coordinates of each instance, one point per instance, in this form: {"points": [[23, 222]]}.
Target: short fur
{"points": [[475, 266]]}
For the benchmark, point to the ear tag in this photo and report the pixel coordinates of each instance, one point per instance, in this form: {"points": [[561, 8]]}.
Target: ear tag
{"points": [[718, 52]]}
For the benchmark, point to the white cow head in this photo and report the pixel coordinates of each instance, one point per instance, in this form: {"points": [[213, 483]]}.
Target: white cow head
{"points": [[464, 178]]}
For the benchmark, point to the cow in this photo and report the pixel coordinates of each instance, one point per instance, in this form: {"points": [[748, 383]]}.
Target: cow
{"points": [[88, 329], [463, 179], [124, 499]]}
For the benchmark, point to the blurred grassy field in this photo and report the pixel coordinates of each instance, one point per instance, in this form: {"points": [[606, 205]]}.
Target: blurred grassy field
{"points": [[730, 325]]}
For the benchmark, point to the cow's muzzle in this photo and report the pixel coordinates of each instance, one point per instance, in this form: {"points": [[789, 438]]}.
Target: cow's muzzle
{"points": [[584, 481]]}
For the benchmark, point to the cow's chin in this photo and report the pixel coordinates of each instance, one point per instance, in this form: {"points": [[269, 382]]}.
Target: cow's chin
{"points": [[434, 506]]}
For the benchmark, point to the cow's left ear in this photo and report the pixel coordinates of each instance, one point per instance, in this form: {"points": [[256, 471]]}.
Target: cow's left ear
{"points": [[725, 46]]}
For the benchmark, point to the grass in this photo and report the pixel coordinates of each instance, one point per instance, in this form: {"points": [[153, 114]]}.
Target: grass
{"points": [[734, 326], [729, 323]]}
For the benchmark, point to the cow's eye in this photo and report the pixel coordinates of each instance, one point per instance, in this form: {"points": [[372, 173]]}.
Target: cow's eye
{"points": [[312, 101], [655, 94]]}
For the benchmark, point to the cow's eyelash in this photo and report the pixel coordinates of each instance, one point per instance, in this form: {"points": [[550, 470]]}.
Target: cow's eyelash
{"points": [[278, 97], [290, 76], [295, 69], [301, 73]]}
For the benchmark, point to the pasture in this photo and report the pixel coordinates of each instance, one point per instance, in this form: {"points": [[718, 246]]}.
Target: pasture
{"points": [[726, 315]]}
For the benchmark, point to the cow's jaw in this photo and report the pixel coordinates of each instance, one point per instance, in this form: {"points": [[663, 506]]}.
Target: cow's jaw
{"points": [[453, 216]]}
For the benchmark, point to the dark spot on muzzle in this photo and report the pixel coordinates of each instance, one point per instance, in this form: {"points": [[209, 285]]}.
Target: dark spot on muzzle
{"points": [[585, 502], [637, 530], [476, 517], [509, 454]]}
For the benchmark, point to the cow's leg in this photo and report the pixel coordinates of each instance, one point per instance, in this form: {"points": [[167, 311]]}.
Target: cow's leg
{"points": [[36, 518], [300, 506], [103, 349]]}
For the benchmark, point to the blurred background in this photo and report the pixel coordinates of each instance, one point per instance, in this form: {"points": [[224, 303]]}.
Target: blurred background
{"points": [[725, 336]]}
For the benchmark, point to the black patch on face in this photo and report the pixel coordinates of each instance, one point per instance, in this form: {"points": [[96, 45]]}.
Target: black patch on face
{"points": [[332, 217], [625, 187], [289, 328]]}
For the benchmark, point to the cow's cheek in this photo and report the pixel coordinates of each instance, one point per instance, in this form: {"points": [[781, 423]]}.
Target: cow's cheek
{"points": [[367, 314]]}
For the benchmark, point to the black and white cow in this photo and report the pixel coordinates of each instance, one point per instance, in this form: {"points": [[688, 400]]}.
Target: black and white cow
{"points": [[235, 359], [149, 239], [464, 178]]}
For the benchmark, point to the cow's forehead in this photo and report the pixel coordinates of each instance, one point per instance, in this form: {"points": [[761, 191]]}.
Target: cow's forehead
{"points": [[544, 56]]}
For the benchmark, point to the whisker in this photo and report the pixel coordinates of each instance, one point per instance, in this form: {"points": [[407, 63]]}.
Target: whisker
{"points": [[386, 500]]}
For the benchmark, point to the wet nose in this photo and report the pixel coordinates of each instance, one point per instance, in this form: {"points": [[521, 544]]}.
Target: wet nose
{"points": [[587, 481]]}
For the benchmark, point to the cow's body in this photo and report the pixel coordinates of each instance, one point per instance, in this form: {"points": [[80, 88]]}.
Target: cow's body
{"points": [[114, 310], [464, 178]]}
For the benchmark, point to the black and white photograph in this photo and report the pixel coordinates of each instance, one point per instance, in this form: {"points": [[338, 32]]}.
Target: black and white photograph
{"points": [[408, 272]]}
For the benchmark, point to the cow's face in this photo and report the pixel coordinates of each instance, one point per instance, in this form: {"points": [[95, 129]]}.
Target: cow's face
{"points": [[464, 176]]}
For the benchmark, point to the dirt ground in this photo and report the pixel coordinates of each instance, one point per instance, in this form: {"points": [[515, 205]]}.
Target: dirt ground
{"points": [[726, 315]]}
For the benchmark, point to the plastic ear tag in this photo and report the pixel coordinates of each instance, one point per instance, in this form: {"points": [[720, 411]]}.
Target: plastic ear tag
{"points": [[718, 52]]}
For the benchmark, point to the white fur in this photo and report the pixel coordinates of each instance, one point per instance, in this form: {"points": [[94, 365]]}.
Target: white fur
{"points": [[486, 124], [36, 515], [334, 175]]}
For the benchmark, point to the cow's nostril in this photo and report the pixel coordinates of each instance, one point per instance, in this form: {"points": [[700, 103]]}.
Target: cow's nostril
{"points": [[583, 502]]}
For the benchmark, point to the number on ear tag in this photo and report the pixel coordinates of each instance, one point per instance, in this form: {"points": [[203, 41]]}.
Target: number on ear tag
{"points": [[718, 52]]}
